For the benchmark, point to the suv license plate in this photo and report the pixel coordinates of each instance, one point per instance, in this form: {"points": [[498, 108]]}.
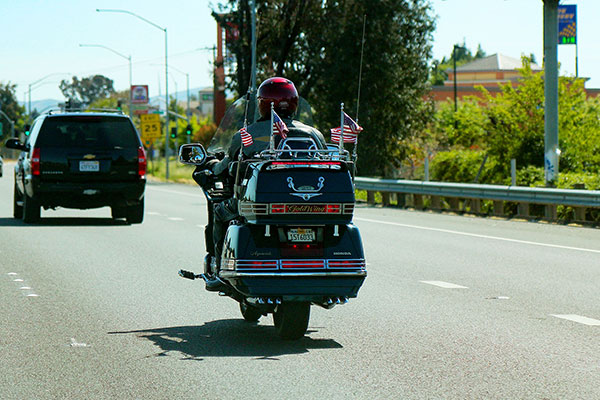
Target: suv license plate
{"points": [[301, 235], [89, 166]]}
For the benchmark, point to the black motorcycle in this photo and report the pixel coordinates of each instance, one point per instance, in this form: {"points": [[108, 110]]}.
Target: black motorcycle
{"points": [[294, 243]]}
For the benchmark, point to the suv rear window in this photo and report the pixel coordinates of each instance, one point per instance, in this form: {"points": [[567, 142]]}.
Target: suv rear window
{"points": [[87, 132]]}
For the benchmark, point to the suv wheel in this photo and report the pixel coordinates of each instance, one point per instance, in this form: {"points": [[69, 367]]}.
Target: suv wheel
{"points": [[17, 208], [31, 209], [118, 212], [135, 213]]}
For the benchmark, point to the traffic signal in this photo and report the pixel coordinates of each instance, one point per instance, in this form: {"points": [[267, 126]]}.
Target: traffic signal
{"points": [[188, 130], [27, 129], [119, 104], [173, 132]]}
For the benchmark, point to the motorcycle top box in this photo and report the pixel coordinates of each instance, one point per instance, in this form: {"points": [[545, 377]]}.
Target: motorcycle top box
{"points": [[292, 242]]}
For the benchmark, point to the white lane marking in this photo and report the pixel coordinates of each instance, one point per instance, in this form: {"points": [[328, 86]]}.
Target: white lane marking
{"points": [[556, 246], [32, 295], [74, 343], [18, 280], [175, 219], [153, 213], [578, 318], [445, 285], [12, 273], [25, 288], [174, 192]]}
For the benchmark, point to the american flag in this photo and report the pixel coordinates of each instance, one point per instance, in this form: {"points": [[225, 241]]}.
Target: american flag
{"points": [[246, 137], [279, 127], [351, 131]]}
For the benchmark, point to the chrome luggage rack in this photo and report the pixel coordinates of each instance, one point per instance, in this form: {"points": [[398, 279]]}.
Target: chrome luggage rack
{"points": [[286, 151]]}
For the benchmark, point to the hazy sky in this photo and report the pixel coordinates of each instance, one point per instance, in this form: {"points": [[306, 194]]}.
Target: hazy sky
{"points": [[42, 37]]}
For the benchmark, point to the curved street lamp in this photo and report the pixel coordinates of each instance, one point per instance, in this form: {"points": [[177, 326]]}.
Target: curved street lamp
{"points": [[36, 82], [119, 54], [166, 80]]}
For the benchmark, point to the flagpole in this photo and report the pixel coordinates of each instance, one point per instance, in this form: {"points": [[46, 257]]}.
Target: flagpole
{"points": [[341, 128], [272, 138]]}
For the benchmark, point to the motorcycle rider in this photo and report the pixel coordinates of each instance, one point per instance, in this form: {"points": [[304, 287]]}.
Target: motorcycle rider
{"points": [[282, 93]]}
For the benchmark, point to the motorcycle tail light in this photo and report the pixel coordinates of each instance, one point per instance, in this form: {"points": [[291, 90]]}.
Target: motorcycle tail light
{"points": [[302, 264], [333, 209], [347, 264], [277, 208], [35, 161], [142, 162], [256, 264]]}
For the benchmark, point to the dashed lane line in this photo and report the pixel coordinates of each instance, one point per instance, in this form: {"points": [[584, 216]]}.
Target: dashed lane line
{"points": [[445, 285], [556, 246], [578, 318]]}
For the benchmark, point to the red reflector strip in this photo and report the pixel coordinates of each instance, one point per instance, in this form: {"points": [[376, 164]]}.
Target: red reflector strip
{"points": [[298, 264], [35, 161]]}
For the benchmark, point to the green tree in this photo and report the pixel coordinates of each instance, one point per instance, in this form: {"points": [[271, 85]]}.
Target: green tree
{"points": [[10, 106], [87, 90], [510, 125], [318, 46]]}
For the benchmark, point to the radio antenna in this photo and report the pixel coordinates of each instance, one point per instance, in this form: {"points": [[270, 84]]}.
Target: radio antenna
{"points": [[362, 48]]}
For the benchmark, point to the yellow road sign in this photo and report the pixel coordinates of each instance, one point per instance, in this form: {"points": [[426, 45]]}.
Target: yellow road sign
{"points": [[150, 125], [150, 118]]}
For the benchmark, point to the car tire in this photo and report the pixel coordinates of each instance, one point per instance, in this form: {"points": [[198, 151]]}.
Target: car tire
{"points": [[118, 212], [135, 213], [31, 209], [17, 209]]}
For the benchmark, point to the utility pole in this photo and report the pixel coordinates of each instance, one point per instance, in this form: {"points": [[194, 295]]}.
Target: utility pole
{"points": [[551, 150]]}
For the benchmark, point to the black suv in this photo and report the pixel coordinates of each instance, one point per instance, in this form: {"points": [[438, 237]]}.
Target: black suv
{"points": [[80, 160]]}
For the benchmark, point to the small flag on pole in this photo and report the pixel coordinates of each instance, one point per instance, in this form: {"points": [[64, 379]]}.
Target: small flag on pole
{"points": [[351, 131], [279, 127], [246, 137]]}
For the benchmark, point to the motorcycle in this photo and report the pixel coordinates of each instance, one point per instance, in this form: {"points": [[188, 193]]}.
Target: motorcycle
{"points": [[293, 244]]}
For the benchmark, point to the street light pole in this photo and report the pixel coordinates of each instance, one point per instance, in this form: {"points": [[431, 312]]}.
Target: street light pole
{"points": [[119, 54], [187, 84], [455, 89], [166, 80], [38, 81]]}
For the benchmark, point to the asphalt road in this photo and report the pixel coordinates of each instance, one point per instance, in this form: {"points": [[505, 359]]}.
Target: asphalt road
{"points": [[453, 308]]}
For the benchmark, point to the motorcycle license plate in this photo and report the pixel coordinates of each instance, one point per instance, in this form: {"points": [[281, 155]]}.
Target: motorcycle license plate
{"points": [[301, 235], [89, 166]]}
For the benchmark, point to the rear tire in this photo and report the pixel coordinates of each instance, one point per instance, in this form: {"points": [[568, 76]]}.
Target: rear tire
{"points": [[17, 209], [31, 209], [135, 213], [291, 319], [250, 314]]}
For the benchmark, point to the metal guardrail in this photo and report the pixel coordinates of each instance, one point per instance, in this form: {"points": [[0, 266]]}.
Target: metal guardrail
{"points": [[570, 197], [550, 197]]}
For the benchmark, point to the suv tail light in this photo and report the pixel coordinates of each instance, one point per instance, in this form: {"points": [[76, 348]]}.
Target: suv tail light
{"points": [[35, 161], [142, 162]]}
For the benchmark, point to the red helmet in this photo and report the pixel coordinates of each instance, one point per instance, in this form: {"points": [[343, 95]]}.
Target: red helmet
{"points": [[282, 93]]}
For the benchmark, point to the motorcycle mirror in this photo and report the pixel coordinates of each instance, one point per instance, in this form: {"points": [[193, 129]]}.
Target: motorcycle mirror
{"points": [[192, 154]]}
